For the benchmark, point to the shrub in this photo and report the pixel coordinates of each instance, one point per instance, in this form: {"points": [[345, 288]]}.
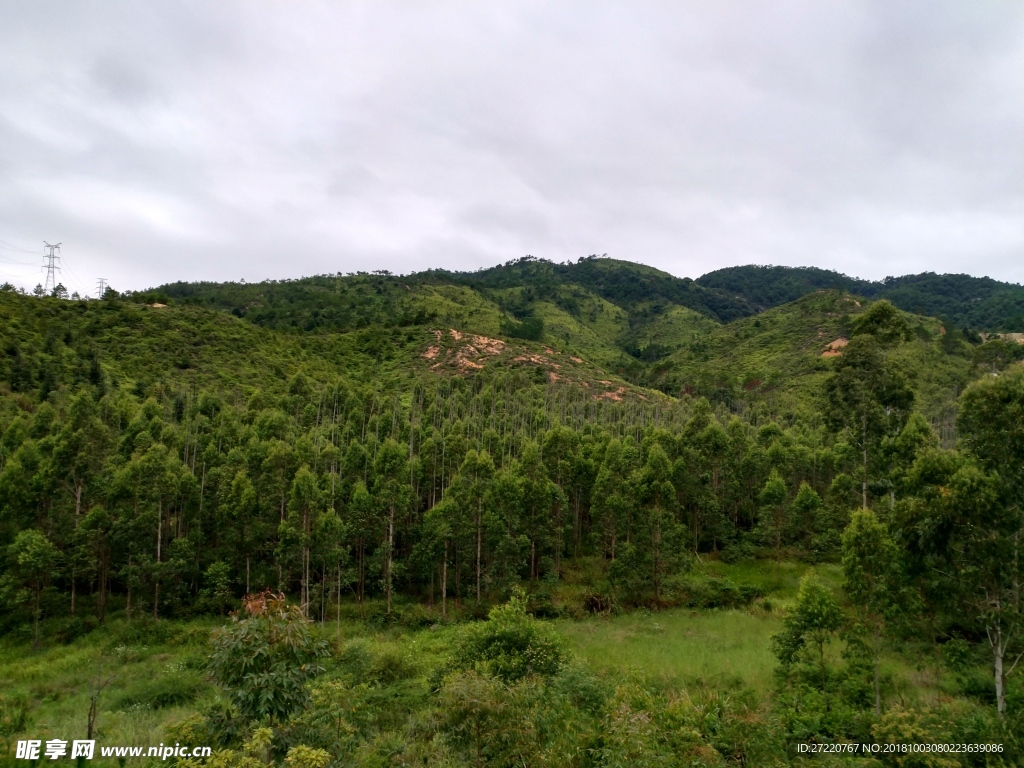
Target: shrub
{"points": [[13, 714], [711, 592], [510, 645], [265, 656], [355, 660], [391, 665], [71, 628], [160, 692]]}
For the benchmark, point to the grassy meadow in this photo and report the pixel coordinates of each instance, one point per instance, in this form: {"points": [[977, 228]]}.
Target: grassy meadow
{"points": [[152, 677]]}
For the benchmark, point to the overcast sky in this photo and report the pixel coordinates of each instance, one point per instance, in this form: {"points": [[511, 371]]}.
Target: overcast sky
{"points": [[225, 140]]}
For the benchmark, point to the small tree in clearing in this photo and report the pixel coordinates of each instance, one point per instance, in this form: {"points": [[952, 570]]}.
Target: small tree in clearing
{"points": [[264, 657], [812, 624]]}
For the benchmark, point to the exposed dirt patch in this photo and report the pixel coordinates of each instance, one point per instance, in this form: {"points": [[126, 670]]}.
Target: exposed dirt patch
{"points": [[615, 395], [489, 346], [835, 348], [535, 359], [575, 359], [552, 376], [465, 352]]}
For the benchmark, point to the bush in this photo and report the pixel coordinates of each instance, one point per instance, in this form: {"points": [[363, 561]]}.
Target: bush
{"points": [[161, 692], [510, 645], [13, 714], [390, 665], [710, 592], [739, 552], [70, 628], [355, 660], [264, 657], [143, 631]]}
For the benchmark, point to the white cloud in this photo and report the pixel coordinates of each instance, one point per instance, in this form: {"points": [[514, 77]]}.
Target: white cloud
{"points": [[219, 141]]}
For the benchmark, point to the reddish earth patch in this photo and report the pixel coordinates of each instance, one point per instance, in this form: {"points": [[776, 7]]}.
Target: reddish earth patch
{"points": [[575, 359], [835, 348], [615, 395], [535, 359], [465, 357], [489, 346], [552, 376]]}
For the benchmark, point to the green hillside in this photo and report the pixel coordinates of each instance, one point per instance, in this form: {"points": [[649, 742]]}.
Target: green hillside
{"points": [[786, 353], [642, 324], [583, 514], [979, 303]]}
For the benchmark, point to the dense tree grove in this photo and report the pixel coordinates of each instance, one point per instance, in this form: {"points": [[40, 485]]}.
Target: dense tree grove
{"points": [[454, 490]]}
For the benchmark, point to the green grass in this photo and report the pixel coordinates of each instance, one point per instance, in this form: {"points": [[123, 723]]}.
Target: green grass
{"points": [[151, 684], [778, 579], [680, 647]]}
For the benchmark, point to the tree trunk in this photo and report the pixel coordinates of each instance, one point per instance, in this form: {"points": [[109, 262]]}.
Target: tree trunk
{"points": [[156, 579], [444, 582], [390, 554], [101, 601], [864, 479], [35, 618], [479, 542], [878, 686], [995, 639], [128, 604], [821, 664]]}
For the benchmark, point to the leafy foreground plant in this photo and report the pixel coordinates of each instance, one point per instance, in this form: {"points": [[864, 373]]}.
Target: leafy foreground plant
{"points": [[264, 658], [510, 645]]}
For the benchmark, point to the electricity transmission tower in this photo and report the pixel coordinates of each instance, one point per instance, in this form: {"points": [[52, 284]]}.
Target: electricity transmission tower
{"points": [[101, 287], [52, 267]]}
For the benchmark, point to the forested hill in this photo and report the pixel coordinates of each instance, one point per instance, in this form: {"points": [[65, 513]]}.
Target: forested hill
{"points": [[413, 449], [978, 303], [730, 336], [533, 289]]}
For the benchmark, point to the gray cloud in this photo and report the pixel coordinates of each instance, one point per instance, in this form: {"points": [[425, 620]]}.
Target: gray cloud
{"points": [[226, 140]]}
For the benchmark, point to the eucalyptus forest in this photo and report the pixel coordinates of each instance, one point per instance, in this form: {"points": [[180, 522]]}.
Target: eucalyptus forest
{"points": [[580, 514]]}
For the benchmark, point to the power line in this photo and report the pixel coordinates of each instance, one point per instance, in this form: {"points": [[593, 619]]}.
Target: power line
{"points": [[52, 268], [12, 247], [74, 276]]}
